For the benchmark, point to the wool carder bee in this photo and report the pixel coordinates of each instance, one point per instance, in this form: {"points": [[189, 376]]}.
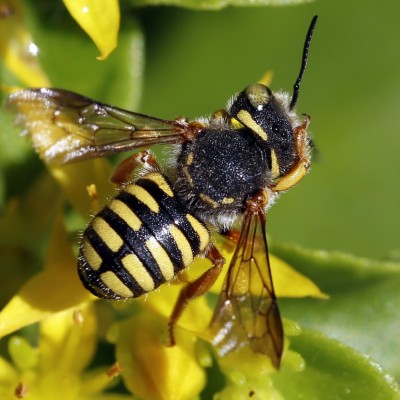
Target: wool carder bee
{"points": [[228, 167]]}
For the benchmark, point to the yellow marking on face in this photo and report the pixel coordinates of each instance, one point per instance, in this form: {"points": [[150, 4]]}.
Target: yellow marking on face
{"points": [[187, 176], [227, 200], [144, 196], [91, 255], [183, 244], [126, 214], [208, 200], [160, 181], [201, 231], [235, 124], [138, 271], [274, 165], [109, 236], [189, 160], [162, 258], [111, 280], [246, 118]]}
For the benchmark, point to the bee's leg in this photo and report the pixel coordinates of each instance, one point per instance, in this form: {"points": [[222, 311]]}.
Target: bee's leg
{"points": [[195, 289], [231, 234], [124, 170], [300, 169]]}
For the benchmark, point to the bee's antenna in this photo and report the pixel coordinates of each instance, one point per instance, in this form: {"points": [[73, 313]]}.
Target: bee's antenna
{"points": [[304, 59]]}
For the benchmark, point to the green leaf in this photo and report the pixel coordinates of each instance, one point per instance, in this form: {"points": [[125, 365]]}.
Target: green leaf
{"points": [[12, 148], [362, 311], [216, 4], [333, 371]]}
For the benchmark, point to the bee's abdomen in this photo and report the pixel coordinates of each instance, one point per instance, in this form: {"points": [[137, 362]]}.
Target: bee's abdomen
{"points": [[140, 240]]}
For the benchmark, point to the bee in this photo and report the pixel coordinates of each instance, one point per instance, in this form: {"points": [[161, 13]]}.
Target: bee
{"points": [[228, 167]]}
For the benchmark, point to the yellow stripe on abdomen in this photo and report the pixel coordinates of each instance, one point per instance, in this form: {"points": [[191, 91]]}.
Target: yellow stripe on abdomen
{"points": [[144, 196], [162, 258], [182, 244], [111, 280], [91, 255], [201, 230], [160, 181], [126, 214], [109, 236], [138, 272]]}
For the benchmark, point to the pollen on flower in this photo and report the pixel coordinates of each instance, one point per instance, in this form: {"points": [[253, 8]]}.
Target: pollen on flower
{"points": [[92, 191], [115, 370], [21, 391], [77, 317]]}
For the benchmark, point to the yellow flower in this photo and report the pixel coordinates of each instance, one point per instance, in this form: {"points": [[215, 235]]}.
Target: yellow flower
{"points": [[55, 368], [153, 370]]}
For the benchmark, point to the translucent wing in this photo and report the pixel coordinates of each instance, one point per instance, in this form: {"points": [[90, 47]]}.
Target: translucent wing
{"points": [[247, 312], [66, 127]]}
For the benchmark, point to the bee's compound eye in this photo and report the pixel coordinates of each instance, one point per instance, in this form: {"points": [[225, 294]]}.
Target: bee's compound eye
{"points": [[258, 95]]}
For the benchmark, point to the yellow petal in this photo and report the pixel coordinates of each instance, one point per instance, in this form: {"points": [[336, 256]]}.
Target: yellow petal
{"points": [[54, 289], [9, 380], [98, 379], [195, 318], [17, 48], [100, 20], [68, 341], [7, 372], [294, 361], [153, 371], [290, 283], [243, 383], [79, 180], [23, 354]]}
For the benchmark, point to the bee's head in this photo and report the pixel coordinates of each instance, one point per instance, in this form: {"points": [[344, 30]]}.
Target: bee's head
{"points": [[271, 115]]}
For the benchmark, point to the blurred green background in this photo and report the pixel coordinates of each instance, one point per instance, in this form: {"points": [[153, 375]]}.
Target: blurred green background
{"points": [[196, 60]]}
